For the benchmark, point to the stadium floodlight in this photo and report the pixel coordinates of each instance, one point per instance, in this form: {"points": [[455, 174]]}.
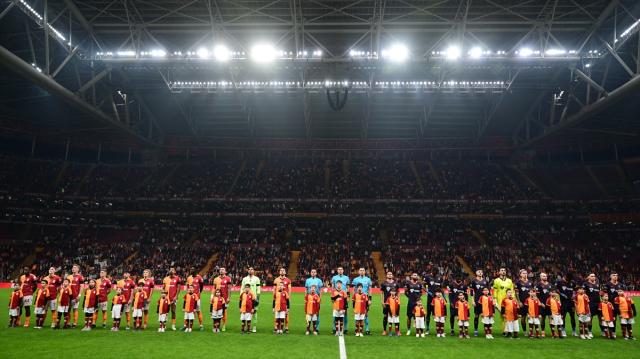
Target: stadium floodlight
{"points": [[397, 53], [526, 52], [263, 53], [587, 65], [555, 52], [476, 52], [158, 53], [453, 53], [203, 53], [221, 53]]}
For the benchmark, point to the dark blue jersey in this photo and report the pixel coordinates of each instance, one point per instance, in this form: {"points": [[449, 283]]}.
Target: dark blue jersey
{"points": [[566, 289], [477, 285], [455, 289], [432, 282], [592, 291], [386, 287], [522, 289], [543, 291], [413, 291], [612, 290]]}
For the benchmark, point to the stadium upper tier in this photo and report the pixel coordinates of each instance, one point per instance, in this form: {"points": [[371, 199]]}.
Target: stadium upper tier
{"points": [[337, 180]]}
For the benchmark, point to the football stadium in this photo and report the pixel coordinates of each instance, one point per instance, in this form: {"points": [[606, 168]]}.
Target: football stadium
{"points": [[319, 178]]}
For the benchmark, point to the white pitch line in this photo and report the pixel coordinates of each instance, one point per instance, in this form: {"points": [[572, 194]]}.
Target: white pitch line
{"points": [[343, 350]]}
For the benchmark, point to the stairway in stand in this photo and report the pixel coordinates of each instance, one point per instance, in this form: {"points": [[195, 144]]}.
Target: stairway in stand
{"points": [[208, 265], [480, 238], [379, 266], [466, 267], [293, 268]]}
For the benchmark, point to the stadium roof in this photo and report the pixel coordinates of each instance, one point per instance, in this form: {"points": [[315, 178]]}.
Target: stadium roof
{"points": [[474, 75]]}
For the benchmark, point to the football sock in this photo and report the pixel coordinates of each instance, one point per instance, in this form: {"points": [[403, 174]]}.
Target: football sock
{"points": [[224, 317], [199, 319], [128, 318], [629, 330], [475, 324], [624, 330], [243, 324], [54, 316], [451, 321], [344, 324], [173, 322], [249, 324], [95, 317], [553, 331], [317, 326], [486, 330], [18, 321], [75, 317], [26, 320], [366, 323], [385, 321], [308, 325], [314, 326], [275, 323], [397, 327], [590, 326], [146, 319]]}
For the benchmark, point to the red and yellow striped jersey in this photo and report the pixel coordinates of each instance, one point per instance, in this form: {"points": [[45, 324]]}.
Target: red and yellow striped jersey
{"points": [[582, 304], [222, 283], [624, 305], [554, 304], [139, 300], [394, 306], [463, 310], [606, 308], [90, 298], [439, 307], [419, 311], [246, 302], [340, 301], [280, 299], [486, 301], [41, 297], [190, 301], [534, 307], [118, 299], [218, 303], [360, 301], [311, 304], [510, 309], [163, 305], [14, 303], [65, 297]]}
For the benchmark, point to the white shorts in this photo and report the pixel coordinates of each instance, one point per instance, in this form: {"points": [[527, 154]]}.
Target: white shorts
{"points": [[103, 306], [556, 319], [394, 319], [439, 319], [14, 312], [584, 318], [126, 308], [189, 316], [338, 313], [53, 304], [75, 303], [89, 310], [487, 320], [40, 310], [281, 314], [116, 312], [534, 321], [627, 321], [312, 317], [358, 316], [137, 313], [27, 300], [607, 324], [217, 314], [511, 327], [419, 322], [197, 309], [245, 316], [162, 318], [463, 323], [64, 309], [146, 306]]}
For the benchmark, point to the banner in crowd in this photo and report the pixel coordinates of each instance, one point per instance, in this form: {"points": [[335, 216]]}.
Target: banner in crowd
{"points": [[207, 288], [62, 196], [62, 212], [617, 217]]}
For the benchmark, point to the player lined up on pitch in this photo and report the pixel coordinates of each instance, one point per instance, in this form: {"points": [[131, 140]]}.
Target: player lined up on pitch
{"points": [[509, 302]]}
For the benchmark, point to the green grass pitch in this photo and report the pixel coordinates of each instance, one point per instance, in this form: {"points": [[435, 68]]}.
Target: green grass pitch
{"points": [[46, 343]]}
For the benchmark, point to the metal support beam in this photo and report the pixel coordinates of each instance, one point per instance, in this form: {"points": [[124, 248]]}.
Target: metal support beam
{"points": [[192, 120], [83, 22], [298, 24], [244, 103], [613, 52], [152, 117], [461, 21], [306, 108], [72, 54], [604, 15], [27, 71], [587, 112], [6, 10], [366, 110], [33, 53], [127, 113], [46, 38], [94, 80], [490, 110], [591, 83], [427, 109], [376, 24]]}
